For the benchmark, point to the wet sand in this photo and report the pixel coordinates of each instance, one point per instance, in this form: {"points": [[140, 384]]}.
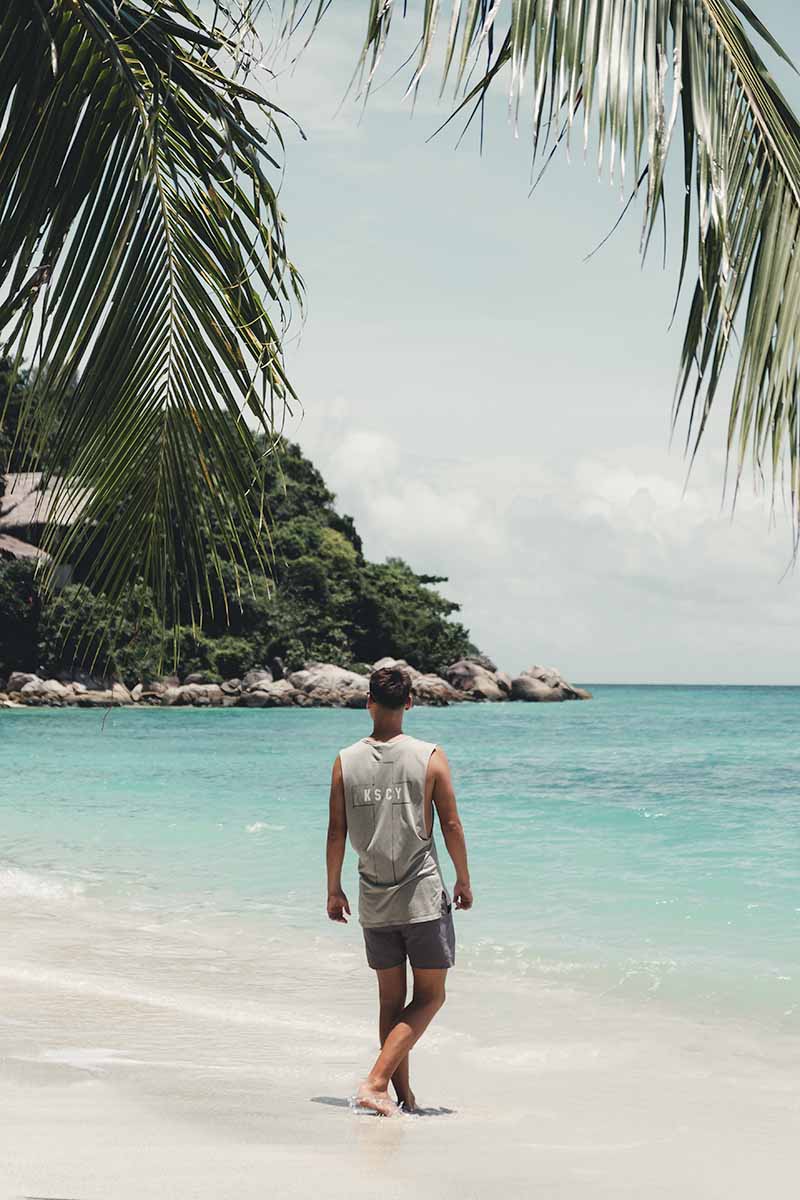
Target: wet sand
{"points": [[146, 1057]]}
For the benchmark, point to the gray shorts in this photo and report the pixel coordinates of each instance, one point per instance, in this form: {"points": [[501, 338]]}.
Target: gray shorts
{"points": [[429, 945]]}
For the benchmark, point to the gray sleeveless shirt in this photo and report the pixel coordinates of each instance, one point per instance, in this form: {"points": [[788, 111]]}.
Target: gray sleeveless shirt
{"points": [[384, 786]]}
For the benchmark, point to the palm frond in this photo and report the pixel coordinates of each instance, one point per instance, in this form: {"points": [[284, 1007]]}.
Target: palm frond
{"points": [[142, 255], [640, 71]]}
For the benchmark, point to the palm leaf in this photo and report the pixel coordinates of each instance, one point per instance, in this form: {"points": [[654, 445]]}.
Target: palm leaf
{"points": [[142, 254], [640, 70]]}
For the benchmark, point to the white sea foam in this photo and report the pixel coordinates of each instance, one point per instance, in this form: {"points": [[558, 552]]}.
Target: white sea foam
{"points": [[84, 1058], [223, 1011], [257, 826], [18, 884]]}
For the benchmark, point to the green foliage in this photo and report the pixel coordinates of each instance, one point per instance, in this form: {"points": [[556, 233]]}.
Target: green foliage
{"points": [[233, 656], [322, 602], [78, 630], [402, 616], [143, 251], [196, 651], [26, 441], [19, 616], [12, 398]]}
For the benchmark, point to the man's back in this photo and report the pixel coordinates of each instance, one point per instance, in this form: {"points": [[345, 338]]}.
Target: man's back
{"points": [[390, 828]]}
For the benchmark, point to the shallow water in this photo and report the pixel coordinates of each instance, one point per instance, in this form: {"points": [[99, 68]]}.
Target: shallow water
{"points": [[646, 843]]}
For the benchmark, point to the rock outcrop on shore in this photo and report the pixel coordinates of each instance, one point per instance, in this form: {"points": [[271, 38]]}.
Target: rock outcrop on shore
{"points": [[545, 684], [317, 685]]}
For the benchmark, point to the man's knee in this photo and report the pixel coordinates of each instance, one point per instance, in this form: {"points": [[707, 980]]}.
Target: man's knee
{"points": [[391, 1010], [430, 999]]}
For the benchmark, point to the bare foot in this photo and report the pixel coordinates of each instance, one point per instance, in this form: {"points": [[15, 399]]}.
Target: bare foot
{"points": [[407, 1101], [376, 1101]]}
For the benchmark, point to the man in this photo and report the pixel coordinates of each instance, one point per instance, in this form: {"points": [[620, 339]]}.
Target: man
{"points": [[383, 792]]}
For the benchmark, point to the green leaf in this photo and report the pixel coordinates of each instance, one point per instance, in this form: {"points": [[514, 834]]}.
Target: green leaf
{"points": [[142, 244]]}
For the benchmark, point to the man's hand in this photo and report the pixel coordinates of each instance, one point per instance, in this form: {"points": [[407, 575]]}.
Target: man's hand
{"points": [[462, 895], [338, 906]]}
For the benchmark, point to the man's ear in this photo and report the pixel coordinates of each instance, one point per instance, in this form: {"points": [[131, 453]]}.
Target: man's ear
{"points": [[409, 702]]}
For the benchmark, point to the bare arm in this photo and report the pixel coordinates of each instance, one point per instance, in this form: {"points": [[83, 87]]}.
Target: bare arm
{"points": [[337, 840], [444, 799]]}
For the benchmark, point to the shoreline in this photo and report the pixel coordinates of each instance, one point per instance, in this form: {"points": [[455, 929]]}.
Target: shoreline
{"points": [[316, 685], [18, 704], [232, 1059], [644, 988]]}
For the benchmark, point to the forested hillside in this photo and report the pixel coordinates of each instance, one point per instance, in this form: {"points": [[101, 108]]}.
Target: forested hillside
{"points": [[323, 600]]}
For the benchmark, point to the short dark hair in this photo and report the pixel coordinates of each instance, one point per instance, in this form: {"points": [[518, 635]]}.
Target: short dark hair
{"points": [[390, 686]]}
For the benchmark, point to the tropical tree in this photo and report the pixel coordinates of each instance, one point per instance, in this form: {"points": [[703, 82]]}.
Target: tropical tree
{"points": [[143, 254]]}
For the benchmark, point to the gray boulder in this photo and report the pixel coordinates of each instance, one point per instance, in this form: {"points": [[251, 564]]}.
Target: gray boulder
{"points": [[256, 675], [478, 682], [231, 687], [484, 661], [197, 677], [397, 662], [554, 677], [120, 693], [198, 695], [503, 682], [137, 693], [434, 691], [279, 694], [525, 687], [549, 675], [94, 699], [330, 686], [157, 687], [43, 689], [18, 679], [545, 683]]}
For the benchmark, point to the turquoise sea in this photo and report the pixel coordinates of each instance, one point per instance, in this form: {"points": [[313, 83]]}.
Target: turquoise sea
{"points": [[646, 844]]}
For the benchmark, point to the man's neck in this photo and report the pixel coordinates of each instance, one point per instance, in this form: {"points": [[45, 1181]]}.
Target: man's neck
{"points": [[385, 728]]}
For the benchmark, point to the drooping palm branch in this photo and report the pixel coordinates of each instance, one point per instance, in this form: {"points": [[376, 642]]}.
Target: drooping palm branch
{"points": [[631, 74], [142, 257]]}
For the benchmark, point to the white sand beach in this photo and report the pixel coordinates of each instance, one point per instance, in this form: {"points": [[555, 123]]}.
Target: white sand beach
{"points": [[153, 1058]]}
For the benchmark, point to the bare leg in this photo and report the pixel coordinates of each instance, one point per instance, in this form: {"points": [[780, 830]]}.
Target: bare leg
{"points": [[392, 992], [428, 998]]}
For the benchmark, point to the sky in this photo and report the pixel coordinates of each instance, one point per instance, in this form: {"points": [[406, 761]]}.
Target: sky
{"points": [[491, 407]]}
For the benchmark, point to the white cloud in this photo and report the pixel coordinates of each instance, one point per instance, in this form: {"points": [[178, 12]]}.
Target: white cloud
{"points": [[607, 566]]}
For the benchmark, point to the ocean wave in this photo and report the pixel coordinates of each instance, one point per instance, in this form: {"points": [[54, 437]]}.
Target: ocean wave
{"points": [[257, 826], [16, 884]]}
